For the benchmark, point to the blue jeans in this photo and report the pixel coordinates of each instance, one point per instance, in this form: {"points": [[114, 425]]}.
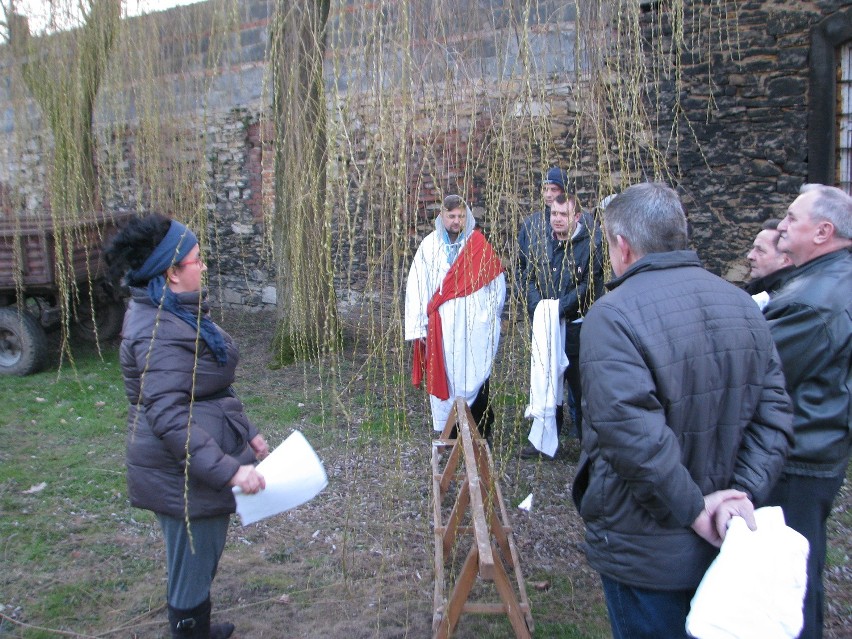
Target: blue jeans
{"points": [[637, 613]]}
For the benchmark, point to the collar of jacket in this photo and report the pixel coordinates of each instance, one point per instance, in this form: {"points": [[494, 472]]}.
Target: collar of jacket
{"points": [[817, 263], [189, 300], [657, 262], [771, 282]]}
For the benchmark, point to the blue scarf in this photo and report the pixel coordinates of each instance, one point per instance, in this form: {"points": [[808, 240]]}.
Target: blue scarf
{"points": [[175, 246]]}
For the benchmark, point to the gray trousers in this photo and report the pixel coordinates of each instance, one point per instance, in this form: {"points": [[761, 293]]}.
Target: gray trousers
{"points": [[190, 574]]}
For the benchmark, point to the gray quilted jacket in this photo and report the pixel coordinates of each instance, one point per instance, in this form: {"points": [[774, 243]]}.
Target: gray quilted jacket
{"points": [[683, 395]]}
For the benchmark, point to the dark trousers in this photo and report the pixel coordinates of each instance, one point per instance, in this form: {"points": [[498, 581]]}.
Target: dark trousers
{"points": [[806, 502], [483, 413], [572, 376], [192, 566], [638, 613]]}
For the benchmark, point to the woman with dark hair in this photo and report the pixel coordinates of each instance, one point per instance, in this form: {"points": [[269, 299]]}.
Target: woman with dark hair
{"points": [[188, 439]]}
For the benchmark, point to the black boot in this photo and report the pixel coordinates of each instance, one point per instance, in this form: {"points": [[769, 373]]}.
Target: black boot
{"points": [[195, 624], [190, 624]]}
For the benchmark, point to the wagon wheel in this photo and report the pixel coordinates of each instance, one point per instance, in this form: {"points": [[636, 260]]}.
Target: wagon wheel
{"points": [[103, 324], [23, 344]]}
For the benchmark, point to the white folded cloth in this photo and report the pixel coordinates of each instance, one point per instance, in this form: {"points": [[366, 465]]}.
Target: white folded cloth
{"points": [[761, 299], [755, 586], [548, 362]]}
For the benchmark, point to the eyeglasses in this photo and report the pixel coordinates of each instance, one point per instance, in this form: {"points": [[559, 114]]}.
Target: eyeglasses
{"points": [[198, 260]]}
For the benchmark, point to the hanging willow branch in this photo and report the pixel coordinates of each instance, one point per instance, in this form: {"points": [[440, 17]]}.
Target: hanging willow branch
{"points": [[65, 84]]}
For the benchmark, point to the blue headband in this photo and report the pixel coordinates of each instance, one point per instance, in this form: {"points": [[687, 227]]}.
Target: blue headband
{"points": [[175, 246]]}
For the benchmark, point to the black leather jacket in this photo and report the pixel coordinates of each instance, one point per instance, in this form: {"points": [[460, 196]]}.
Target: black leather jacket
{"points": [[570, 271], [811, 322], [771, 283]]}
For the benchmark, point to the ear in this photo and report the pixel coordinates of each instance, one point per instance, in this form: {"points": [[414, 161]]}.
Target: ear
{"points": [[172, 275], [824, 232], [624, 251]]}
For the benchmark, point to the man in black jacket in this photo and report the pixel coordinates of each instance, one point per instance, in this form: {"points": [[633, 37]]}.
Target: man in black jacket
{"points": [[811, 322], [770, 267], [563, 262], [686, 420]]}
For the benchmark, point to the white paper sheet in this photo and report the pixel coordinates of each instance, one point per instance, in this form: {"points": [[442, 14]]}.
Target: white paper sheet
{"points": [[294, 475]]}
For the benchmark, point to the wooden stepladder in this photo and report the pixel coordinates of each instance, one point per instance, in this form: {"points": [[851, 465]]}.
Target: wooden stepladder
{"points": [[463, 467]]}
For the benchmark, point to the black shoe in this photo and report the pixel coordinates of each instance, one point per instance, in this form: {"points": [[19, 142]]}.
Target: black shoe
{"points": [[531, 452], [221, 630], [193, 623]]}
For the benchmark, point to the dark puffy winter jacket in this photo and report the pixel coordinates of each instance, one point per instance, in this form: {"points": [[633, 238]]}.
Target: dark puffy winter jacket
{"points": [[683, 395], [571, 271], [180, 402]]}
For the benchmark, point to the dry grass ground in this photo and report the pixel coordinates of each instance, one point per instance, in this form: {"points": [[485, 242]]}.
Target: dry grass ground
{"points": [[355, 562]]}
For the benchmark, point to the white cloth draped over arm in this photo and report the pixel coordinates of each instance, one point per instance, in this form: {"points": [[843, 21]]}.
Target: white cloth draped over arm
{"points": [[548, 362]]}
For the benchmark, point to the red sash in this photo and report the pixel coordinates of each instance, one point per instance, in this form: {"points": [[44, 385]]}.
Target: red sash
{"points": [[475, 267]]}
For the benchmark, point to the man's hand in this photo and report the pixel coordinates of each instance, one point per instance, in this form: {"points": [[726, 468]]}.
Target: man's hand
{"points": [[248, 480], [719, 508], [260, 447]]}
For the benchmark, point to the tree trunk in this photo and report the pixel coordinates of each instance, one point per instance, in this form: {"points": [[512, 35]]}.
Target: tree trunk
{"points": [[308, 320]]}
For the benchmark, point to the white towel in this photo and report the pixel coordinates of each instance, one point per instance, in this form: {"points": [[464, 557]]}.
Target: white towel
{"points": [[548, 362], [756, 585], [761, 299]]}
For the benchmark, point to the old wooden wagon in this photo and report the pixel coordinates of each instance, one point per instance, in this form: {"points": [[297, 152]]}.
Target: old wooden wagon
{"points": [[48, 266]]}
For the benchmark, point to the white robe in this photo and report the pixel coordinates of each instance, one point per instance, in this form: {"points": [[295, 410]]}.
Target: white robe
{"points": [[471, 324]]}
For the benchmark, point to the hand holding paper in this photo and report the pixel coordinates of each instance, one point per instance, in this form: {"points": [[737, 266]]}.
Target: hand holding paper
{"points": [[293, 474]]}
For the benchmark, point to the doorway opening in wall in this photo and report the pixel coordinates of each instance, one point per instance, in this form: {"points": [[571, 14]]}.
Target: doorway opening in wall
{"points": [[844, 119]]}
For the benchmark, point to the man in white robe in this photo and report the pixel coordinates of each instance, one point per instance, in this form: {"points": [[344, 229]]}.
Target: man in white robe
{"points": [[453, 302]]}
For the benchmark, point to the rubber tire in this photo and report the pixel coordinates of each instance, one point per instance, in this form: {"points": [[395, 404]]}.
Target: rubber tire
{"points": [[23, 343], [108, 318]]}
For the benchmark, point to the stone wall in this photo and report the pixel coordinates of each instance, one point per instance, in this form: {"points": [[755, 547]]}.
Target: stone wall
{"points": [[743, 161], [736, 164]]}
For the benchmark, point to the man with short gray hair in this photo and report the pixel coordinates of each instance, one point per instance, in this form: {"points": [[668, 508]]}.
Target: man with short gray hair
{"points": [[811, 322], [686, 421]]}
